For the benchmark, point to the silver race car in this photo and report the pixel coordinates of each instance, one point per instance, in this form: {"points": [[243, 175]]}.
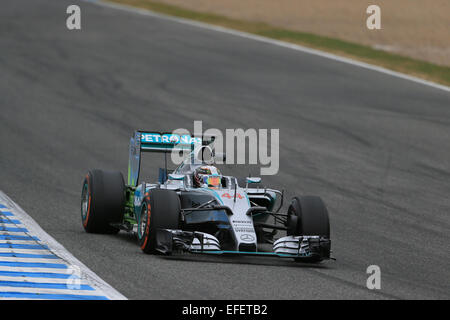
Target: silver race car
{"points": [[197, 209]]}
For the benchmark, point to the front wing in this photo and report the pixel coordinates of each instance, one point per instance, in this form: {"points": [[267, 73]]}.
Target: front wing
{"points": [[300, 247]]}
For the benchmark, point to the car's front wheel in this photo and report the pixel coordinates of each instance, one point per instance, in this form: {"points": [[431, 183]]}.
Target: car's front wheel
{"points": [[160, 210], [308, 216], [311, 215]]}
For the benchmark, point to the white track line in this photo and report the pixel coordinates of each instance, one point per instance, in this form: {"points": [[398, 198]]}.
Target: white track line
{"points": [[15, 233], [270, 41], [100, 286], [15, 250], [33, 260], [11, 233], [32, 269], [18, 241], [40, 280]]}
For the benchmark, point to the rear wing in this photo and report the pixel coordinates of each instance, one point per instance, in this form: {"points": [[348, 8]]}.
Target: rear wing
{"points": [[161, 142]]}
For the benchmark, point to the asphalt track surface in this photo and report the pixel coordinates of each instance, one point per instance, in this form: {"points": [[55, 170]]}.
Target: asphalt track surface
{"points": [[375, 147]]}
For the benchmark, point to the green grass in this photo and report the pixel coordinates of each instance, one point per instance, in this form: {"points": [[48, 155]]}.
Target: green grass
{"points": [[418, 68]]}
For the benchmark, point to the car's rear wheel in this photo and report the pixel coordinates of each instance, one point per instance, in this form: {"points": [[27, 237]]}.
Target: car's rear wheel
{"points": [[102, 201], [308, 216], [160, 210]]}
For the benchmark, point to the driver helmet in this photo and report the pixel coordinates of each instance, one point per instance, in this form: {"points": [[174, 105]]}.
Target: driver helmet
{"points": [[207, 176]]}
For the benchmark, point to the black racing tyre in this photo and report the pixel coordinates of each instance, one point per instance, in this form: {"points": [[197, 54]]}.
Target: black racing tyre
{"points": [[160, 210], [102, 201], [308, 216], [311, 215]]}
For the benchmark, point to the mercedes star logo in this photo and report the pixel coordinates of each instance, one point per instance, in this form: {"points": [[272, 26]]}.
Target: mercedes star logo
{"points": [[247, 237]]}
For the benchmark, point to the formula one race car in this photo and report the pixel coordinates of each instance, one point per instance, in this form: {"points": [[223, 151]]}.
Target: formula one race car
{"points": [[196, 209]]}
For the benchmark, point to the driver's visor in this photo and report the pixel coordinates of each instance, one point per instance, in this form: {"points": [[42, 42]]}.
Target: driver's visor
{"points": [[212, 181]]}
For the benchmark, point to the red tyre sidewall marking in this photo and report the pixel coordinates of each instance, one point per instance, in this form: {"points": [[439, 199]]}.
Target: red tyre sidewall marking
{"points": [[89, 204]]}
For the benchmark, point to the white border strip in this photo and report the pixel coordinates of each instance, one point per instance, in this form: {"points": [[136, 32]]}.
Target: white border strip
{"points": [[35, 230], [279, 43]]}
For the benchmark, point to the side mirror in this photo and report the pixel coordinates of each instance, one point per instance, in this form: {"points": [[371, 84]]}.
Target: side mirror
{"points": [[253, 180], [176, 176]]}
